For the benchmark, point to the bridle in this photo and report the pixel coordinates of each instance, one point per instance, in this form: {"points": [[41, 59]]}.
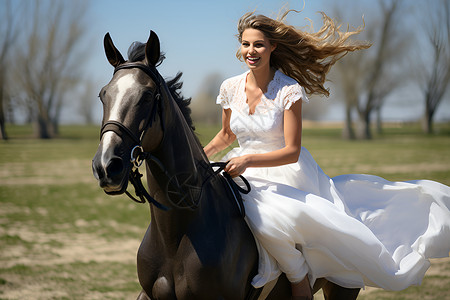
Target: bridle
{"points": [[138, 155], [118, 127]]}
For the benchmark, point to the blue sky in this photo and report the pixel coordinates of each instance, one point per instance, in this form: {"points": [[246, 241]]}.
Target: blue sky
{"points": [[198, 37]]}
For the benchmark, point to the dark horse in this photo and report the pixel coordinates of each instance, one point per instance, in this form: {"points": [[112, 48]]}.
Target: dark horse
{"points": [[197, 245]]}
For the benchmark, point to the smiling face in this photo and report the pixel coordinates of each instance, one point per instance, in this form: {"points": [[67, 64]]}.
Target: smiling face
{"points": [[256, 49]]}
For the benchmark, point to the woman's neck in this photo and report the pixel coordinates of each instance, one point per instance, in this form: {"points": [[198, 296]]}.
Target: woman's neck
{"points": [[261, 78]]}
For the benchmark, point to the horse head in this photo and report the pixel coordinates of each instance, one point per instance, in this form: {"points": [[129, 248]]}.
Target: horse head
{"points": [[131, 115]]}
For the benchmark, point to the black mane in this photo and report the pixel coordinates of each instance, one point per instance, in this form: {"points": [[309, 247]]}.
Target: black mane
{"points": [[136, 53]]}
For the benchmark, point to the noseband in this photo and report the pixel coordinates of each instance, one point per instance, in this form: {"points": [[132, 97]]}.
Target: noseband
{"points": [[137, 153]]}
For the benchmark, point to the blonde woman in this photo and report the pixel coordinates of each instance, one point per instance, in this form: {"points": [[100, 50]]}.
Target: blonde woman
{"points": [[354, 230]]}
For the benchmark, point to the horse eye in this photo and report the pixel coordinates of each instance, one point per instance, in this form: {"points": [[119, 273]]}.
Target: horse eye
{"points": [[148, 95]]}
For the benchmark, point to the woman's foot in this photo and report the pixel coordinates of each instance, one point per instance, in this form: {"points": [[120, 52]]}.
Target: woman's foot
{"points": [[302, 290]]}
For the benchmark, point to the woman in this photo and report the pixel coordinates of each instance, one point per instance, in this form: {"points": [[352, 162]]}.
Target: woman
{"points": [[354, 230]]}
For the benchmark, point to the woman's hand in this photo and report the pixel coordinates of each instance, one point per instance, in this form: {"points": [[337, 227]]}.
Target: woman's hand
{"points": [[237, 165]]}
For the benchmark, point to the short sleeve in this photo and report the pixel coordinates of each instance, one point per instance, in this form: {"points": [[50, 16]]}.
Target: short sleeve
{"points": [[292, 94], [223, 98]]}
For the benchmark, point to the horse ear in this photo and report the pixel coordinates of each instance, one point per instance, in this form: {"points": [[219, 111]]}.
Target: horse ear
{"points": [[152, 49], [113, 55]]}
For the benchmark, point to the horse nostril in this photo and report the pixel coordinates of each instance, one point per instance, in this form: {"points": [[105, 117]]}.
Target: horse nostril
{"points": [[97, 170], [115, 167], [98, 173]]}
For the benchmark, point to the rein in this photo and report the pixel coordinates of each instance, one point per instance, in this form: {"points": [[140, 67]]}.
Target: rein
{"points": [[138, 156], [141, 192], [235, 188], [121, 130]]}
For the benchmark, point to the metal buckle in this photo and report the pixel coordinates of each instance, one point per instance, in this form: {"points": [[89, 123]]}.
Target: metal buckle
{"points": [[135, 160]]}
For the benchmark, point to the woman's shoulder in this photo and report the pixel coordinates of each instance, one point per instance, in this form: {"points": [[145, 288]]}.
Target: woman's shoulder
{"points": [[288, 90], [229, 90], [284, 80], [235, 80]]}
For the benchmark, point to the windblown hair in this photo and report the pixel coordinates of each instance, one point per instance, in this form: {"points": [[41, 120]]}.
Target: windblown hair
{"points": [[136, 53], [306, 57]]}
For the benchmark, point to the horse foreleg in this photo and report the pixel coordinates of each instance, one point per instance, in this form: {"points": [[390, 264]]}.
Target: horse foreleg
{"points": [[143, 296], [332, 291]]}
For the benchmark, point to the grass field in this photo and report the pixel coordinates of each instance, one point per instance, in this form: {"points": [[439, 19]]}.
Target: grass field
{"points": [[61, 237]]}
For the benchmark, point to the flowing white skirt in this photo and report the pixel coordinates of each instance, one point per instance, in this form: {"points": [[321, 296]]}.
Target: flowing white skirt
{"points": [[354, 230]]}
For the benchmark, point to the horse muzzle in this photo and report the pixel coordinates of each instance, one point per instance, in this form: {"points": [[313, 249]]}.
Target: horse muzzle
{"points": [[111, 171]]}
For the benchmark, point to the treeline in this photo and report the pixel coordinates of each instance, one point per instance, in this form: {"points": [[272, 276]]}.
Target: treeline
{"points": [[410, 51], [43, 44], [409, 57], [42, 48]]}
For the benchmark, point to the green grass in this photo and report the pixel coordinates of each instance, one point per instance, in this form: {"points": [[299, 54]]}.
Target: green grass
{"points": [[74, 280], [61, 237], [432, 287]]}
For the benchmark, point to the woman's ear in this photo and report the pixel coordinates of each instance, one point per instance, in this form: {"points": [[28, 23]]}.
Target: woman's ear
{"points": [[273, 47]]}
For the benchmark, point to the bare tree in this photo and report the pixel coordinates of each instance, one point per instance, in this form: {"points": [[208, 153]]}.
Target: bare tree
{"points": [[50, 59], [348, 73], [86, 104], [366, 78], [437, 78], [8, 34], [204, 107]]}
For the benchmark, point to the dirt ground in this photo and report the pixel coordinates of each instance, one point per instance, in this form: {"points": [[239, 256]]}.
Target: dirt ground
{"points": [[85, 247]]}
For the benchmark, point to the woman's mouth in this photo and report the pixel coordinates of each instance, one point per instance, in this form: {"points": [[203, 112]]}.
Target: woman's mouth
{"points": [[252, 60]]}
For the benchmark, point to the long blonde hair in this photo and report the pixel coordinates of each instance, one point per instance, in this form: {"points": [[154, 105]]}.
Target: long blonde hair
{"points": [[306, 57]]}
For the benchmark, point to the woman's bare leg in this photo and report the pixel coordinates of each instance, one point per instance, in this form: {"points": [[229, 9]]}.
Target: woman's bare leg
{"points": [[302, 290]]}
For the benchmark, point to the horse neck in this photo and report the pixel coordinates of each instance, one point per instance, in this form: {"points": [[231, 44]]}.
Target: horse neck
{"points": [[180, 150], [180, 153]]}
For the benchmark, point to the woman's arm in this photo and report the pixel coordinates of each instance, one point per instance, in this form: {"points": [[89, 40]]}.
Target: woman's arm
{"points": [[224, 138], [288, 154]]}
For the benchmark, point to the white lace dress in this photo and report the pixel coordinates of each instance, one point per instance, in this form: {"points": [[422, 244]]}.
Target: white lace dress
{"points": [[354, 230]]}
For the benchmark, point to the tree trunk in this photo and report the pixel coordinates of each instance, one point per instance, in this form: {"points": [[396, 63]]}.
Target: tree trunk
{"points": [[427, 121], [379, 122], [3, 135], [43, 129], [348, 132], [367, 131], [364, 130], [55, 127]]}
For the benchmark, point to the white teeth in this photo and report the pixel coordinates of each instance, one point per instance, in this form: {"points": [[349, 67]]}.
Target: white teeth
{"points": [[252, 58]]}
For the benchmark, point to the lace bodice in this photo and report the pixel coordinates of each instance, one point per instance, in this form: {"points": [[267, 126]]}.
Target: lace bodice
{"points": [[261, 131], [343, 226]]}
